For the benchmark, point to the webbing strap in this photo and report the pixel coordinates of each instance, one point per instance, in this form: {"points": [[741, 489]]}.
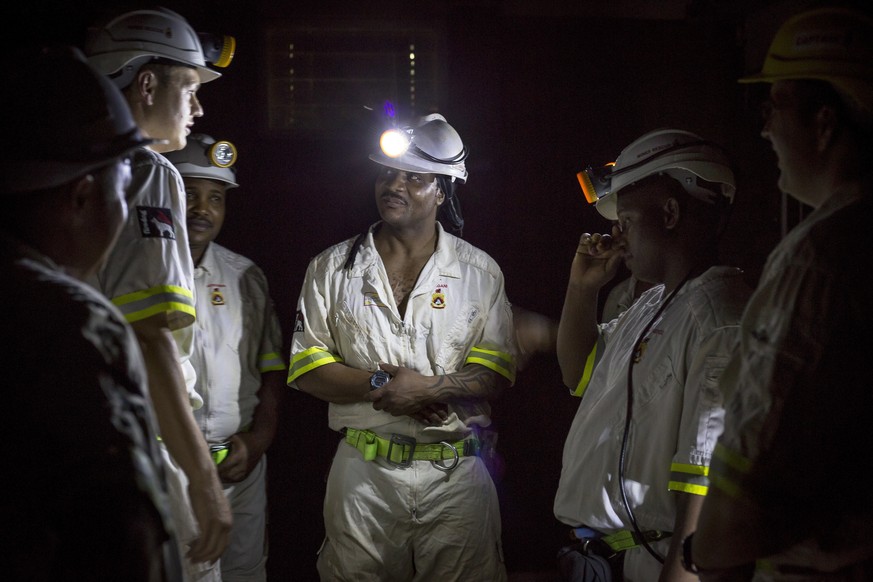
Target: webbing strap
{"points": [[401, 449], [626, 539]]}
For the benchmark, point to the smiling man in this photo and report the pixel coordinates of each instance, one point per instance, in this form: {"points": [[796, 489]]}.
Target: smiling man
{"points": [[788, 500], [406, 331]]}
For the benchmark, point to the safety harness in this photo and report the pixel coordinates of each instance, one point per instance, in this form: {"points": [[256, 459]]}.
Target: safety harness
{"points": [[400, 450]]}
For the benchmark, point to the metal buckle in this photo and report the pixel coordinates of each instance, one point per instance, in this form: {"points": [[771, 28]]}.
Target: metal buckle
{"points": [[455, 458], [403, 441]]}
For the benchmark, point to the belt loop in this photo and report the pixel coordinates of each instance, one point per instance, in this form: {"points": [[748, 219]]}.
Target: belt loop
{"points": [[367, 445]]}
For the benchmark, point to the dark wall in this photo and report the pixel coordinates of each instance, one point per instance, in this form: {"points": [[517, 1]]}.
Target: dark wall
{"points": [[536, 98]]}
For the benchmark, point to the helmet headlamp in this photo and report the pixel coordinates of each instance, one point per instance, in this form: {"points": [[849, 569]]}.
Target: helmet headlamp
{"points": [[595, 182], [218, 49], [205, 158], [222, 154], [395, 142]]}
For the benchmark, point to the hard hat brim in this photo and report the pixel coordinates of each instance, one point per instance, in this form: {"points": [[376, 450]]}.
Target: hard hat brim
{"points": [[31, 175], [408, 163], [194, 171], [860, 91], [606, 206]]}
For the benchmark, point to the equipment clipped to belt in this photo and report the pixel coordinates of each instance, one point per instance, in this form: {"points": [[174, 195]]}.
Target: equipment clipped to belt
{"points": [[219, 452], [400, 450], [593, 557]]}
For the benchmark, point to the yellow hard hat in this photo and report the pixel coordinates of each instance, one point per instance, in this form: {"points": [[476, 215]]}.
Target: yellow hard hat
{"points": [[827, 44]]}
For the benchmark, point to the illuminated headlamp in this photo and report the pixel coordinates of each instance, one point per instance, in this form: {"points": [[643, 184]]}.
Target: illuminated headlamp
{"points": [[396, 142], [595, 182], [218, 49], [222, 154]]}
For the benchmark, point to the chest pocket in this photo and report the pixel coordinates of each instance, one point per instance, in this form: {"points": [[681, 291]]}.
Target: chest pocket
{"points": [[659, 383], [451, 347], [363, 327]]}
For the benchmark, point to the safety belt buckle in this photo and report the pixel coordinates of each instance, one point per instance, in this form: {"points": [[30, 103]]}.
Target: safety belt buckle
{"points": [[401, 441]]}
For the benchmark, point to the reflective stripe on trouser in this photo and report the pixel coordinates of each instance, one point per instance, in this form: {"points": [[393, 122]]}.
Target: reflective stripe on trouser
{"points": [[245, 558], [379, 519], [186, 523]]}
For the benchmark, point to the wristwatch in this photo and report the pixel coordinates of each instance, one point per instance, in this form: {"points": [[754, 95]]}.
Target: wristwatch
{"points": [[379, 379], [687, 561]]}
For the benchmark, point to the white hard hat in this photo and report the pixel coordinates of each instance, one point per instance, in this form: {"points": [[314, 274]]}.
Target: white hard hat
{"points": [[431, 147], [203, 157], [119, 46], [700, 166]]}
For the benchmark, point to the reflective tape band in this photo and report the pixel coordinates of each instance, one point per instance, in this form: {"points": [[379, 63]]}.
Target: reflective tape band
{"points": [[500, 362], [167, 299], [271, 362], [586, 372], [309, 360]]}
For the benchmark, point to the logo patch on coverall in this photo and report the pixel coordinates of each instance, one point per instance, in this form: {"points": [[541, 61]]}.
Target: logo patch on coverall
{"points": [[215, 294], [438, 299], [155, 222]]}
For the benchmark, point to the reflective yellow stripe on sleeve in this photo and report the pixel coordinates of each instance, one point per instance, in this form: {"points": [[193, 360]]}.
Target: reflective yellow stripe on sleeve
{"points": [[586, 372], [271, 362], [165, 299], [689, 478], [728, 470], [500, 362], [309, 360]]}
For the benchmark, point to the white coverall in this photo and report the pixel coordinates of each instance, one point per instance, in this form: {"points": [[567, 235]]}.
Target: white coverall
{"points": [[384, 522], [237, 338]]}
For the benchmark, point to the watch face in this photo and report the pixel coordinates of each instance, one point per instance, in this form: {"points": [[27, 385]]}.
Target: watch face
{"points": [[379, 379]]}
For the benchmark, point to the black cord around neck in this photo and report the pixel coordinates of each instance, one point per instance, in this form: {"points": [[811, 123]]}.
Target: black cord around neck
{"points": [[629, 415]]}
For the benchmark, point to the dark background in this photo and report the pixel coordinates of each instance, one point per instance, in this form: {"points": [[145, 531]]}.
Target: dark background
{"points": [[537, 90]]}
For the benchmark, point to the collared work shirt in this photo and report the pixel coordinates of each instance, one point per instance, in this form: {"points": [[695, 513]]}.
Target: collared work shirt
{"points": [[237, 338], [677, 407], [457, 314], [84, 459], [799, 397], [150, 270]]}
